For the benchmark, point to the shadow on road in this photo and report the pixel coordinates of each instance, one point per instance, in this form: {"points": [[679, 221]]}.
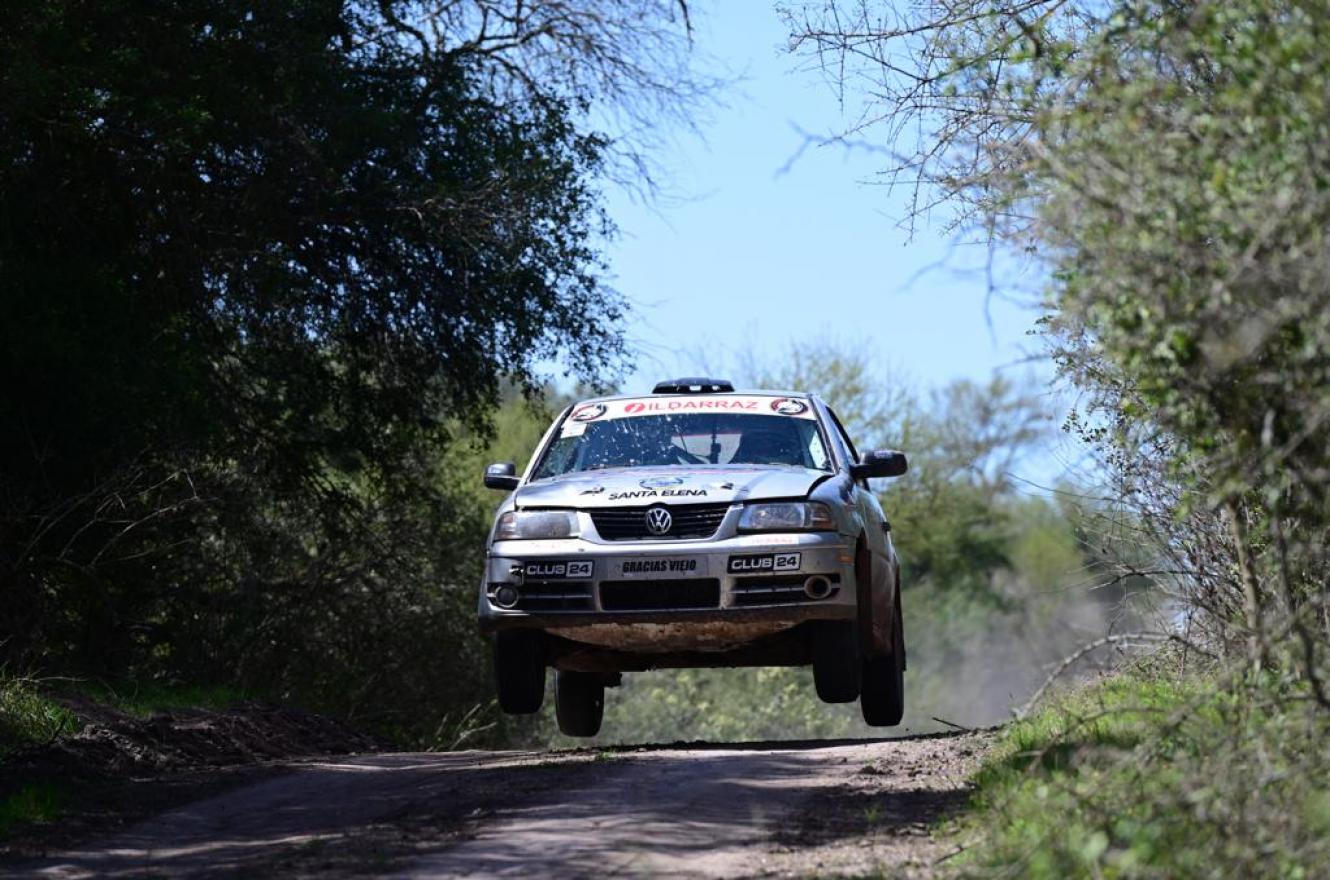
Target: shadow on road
{"points": [[696, 809]]}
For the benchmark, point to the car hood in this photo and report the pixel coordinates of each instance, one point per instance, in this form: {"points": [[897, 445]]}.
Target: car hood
{"points": [[634, 487]]}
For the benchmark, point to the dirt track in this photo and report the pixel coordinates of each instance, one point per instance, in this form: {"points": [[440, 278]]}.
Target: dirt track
{"points": [[773, 809]]}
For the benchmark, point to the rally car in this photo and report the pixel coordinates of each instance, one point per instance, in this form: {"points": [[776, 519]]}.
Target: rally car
{"points": [[694, 526]]}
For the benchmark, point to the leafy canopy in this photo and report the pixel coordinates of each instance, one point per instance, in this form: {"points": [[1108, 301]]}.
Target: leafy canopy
{"points": [[266, 269]]}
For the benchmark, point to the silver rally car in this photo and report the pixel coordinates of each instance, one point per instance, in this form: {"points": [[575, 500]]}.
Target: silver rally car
{"points": [[695, 526]]}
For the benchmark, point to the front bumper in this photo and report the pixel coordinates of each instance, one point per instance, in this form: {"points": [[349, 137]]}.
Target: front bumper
{"points": [[572, 584]]}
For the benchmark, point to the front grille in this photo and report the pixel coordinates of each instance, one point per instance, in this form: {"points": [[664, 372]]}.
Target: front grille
{"points": [[630, 523], [659, 595], [776, 590]]}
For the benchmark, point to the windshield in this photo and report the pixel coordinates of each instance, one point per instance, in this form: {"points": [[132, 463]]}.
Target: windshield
{"points": [[655, 432]]}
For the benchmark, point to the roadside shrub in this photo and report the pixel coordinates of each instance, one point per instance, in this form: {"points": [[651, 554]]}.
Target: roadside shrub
{"points": [[27, 717], [1154, 773]]}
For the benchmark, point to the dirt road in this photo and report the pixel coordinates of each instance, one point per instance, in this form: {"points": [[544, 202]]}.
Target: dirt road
{"points": [[774, 809]]}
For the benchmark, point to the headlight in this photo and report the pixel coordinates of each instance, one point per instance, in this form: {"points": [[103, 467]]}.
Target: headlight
{"points": [[531, 524], [786, 517]]}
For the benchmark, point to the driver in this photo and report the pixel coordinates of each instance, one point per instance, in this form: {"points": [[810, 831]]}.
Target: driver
{"points": [[768, 446]]}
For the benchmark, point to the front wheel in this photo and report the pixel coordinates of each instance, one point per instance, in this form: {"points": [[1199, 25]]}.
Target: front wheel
{"points": [[883, 699], [579, 702], [835, 661], [519, 671]]}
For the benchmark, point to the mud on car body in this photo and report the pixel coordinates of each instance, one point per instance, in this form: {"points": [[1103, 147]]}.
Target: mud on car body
{"points": [[693, 527]]}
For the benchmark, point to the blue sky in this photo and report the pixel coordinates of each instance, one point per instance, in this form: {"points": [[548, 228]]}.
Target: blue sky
{"points": [[745, 254]]}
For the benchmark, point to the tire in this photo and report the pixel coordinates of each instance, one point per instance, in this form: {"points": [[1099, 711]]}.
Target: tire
{"points": [[579, 702], [883, 699], [836, 666], [519, 671]]}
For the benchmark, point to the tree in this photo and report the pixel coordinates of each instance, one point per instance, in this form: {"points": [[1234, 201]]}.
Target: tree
{"points": [[262, 267], [1165, 163], [950, 91], [1170, 180], [1187, 212]]}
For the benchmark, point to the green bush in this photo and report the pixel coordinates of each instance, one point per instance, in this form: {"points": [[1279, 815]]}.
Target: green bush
{"points": [[27, 717], [1157, 774]]}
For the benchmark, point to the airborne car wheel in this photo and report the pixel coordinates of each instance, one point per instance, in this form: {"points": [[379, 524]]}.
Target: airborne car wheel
{"points": [[836, 666], [519, 671], [883, 699], [579, 702]]}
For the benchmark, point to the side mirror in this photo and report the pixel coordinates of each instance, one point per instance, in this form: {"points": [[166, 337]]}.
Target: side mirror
{"points": [[501, 476], [880, 463]]}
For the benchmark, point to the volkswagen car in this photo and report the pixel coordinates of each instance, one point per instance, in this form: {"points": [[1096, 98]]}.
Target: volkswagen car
{"points": [[695, 526]]}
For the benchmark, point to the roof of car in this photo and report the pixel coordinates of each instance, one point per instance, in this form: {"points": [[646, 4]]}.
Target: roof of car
{"points": [[765, 392]]}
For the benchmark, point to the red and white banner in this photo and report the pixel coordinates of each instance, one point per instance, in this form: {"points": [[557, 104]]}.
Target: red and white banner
{"points": [[792, 407]]}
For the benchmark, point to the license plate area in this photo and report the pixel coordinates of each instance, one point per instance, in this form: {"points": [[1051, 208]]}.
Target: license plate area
{"points": [[660, 568], [660, 595]]}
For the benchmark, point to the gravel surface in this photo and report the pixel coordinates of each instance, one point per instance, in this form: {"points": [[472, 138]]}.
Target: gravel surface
{"points": [[741, 810]]}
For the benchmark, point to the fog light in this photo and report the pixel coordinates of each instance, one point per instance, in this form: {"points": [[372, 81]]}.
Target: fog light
{"points": [[506, 596], [817, 587]]}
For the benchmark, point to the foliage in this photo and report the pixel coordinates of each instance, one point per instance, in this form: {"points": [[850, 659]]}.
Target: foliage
{"points": [[1155, 773], [267, 275], [27, 716], [949, 92], [1187, 215], [1166, 165], [146, 698]]}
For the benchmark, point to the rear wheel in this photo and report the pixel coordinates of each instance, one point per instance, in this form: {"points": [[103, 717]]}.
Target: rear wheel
{"points": [[836, 666], [579, 702], [883, 699], [519, 671]]}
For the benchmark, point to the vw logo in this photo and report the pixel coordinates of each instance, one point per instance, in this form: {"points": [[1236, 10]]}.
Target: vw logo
{"points": [[659, 521]]}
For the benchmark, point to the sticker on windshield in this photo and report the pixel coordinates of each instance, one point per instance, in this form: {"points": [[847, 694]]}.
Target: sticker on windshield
{"points": [[588, 413], [572, 429], [789, 406], [703, 403]]}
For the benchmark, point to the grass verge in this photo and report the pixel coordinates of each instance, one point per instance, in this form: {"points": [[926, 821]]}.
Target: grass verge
{"points": [[28, 716], [1154, 774], [34, 804], [143, 699], [35, 713]]}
